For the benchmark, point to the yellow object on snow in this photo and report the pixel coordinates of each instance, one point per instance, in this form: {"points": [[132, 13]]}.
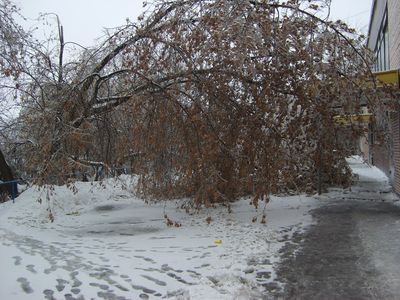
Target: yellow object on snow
{"points": [[218, 242]]}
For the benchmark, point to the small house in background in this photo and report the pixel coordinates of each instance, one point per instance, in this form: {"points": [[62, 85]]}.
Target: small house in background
{"points": [[384, 41]]}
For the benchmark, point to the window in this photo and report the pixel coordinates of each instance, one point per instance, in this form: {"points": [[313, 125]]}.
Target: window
{"points": [[382, 47], [371, 137]]}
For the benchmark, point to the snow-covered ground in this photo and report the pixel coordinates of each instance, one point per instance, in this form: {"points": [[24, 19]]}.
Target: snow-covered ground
{"points": [[105, 243]]}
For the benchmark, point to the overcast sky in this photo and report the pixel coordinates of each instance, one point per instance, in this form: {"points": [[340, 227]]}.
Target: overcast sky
{"points": [[85, 20], [354, 12]]}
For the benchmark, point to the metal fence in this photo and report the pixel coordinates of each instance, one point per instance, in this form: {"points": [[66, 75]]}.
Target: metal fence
{"points": [[14, 187]]}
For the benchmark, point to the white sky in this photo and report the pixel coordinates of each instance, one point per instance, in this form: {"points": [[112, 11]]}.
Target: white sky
{"points": [[84, 20], [354, 12]]}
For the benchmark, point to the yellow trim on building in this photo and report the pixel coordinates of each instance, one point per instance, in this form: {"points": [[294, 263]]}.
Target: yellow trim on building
{"points": [[352, 119], [388, 77]]}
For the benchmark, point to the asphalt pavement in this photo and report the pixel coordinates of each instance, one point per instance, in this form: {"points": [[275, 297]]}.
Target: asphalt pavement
{"points": [[352, 250]]}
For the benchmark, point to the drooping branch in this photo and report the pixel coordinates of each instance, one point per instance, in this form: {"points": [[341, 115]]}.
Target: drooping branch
{"points": [[321, 21], [139, 35]]}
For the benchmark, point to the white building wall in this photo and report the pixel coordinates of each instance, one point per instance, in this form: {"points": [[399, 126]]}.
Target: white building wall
{"points": [[393, 7], [377, 13]]}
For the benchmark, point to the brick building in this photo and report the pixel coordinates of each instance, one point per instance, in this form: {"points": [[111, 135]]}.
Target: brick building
{"points": [[384, 40]]}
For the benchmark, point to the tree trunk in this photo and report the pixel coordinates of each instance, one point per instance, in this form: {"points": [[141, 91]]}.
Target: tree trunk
{"points": [[6, 175]]}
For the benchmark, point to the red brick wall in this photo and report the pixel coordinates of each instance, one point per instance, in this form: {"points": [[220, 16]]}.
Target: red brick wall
{"points": [[381, 157], [395, 137], [386, 155]]}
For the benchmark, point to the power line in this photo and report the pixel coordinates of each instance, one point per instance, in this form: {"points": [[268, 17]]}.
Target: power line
{"points": [[357, 14]]}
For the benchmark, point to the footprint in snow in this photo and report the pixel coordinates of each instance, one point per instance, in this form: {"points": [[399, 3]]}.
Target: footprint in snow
{"points": [[75, 291], [193, 274], [17, 261], [143, 289], [104, 287], [156, 281], [31, 268], [110, 295], [50, 270], [25, 285], [204, 255], [167, 268], [145, 259], [202, 266], [178, 278], [61, 284], [48, 294], [263, 275]]}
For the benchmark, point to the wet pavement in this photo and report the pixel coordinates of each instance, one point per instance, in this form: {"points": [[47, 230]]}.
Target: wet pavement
{"points": [[352, 251]]}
